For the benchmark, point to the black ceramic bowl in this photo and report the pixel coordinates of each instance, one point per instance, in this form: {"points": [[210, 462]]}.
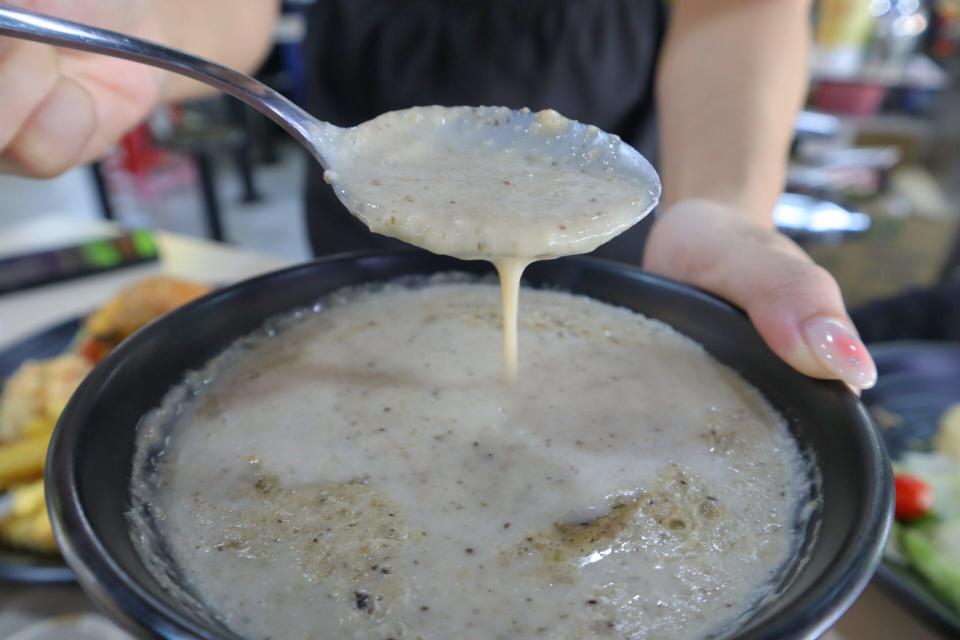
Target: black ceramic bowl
{"points": [[90, 457]]}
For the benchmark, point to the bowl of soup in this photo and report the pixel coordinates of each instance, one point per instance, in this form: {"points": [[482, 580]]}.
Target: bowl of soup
{"points": [[333, 450]]}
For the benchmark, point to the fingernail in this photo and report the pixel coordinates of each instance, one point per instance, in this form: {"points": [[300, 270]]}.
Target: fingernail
{"points": [[839, 349]]}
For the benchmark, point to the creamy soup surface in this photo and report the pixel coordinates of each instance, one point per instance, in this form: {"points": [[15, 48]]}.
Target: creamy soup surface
{"points": [[491, 182], [360, 470]]}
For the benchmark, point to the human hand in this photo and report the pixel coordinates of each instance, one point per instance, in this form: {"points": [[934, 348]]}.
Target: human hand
{"points": [[60, 107], [795, 304]]}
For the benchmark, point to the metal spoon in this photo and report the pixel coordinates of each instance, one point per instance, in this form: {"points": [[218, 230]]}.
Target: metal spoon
{"points": [[313, 134], [558, 152]]}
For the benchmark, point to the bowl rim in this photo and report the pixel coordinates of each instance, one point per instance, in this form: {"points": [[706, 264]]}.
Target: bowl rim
{"points": [[105, 580]]}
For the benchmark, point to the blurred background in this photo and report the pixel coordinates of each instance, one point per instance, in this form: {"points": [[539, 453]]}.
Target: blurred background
{"points": [[873, 190]]}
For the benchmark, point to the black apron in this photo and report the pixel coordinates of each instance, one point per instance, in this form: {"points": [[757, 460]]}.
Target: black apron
{"points": [[591, 60]]}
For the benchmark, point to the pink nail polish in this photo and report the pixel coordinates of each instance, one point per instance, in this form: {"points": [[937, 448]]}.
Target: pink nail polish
{"points": [[839, 349]]}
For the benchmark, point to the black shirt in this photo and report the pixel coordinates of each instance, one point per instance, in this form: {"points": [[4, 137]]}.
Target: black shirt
{"points": [[591, 60]]}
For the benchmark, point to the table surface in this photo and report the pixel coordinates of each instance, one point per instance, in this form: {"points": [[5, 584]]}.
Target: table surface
{"points": [[62, 612]]}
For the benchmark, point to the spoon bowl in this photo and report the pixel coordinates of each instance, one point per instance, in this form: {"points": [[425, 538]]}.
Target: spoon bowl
{"points": [[491, 182]]}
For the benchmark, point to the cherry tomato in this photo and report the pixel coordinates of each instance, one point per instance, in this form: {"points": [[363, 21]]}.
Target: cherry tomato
{"points": [[914, 497], [93, 350]]}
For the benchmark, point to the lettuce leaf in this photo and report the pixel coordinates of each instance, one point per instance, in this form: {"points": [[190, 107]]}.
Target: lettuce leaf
{"points": [[933, 547]]}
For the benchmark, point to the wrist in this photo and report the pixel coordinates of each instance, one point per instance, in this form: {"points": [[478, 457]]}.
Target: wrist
{"points": [[732, 209]]}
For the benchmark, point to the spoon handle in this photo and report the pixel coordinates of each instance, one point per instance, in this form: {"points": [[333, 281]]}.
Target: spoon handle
{"points": [[26, 25]]}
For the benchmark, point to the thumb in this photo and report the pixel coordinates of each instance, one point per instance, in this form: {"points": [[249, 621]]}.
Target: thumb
{"points": [[798, 309], [795, 305]]}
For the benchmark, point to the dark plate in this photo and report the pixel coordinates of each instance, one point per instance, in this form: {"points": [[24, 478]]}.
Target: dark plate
{"points": [[17, 565], [89, 466], [918, 382]]}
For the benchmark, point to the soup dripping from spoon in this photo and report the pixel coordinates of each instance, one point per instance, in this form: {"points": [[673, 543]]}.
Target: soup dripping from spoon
{"points": [[491, 183]]}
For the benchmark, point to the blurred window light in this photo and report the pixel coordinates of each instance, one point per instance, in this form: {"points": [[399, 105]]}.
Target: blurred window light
{"points": [[879, 7], [795, 212], [907, 6]]}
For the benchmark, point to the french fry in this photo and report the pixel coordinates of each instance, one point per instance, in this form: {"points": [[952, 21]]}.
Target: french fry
{"points": [[29, 532], [43, 538], [39, 426], [23, 459], [27, 525], [27, 499]]}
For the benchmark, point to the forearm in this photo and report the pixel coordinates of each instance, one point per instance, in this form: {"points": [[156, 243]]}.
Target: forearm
{"points": [[225, 31], [730, 84], [731, 79]]}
